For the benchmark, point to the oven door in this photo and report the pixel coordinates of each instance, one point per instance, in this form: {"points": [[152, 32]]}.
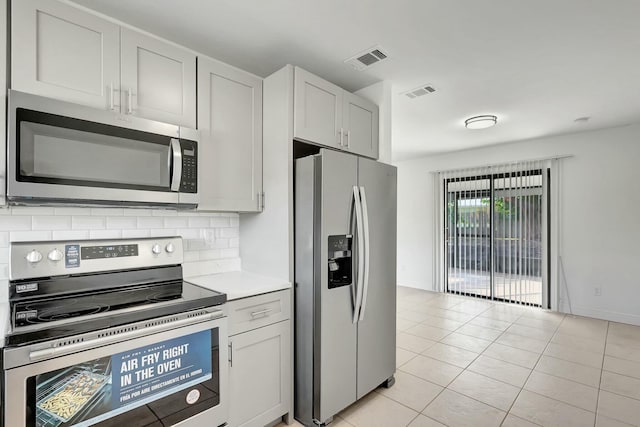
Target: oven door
{"points": [[62, 152], [176, 376]]}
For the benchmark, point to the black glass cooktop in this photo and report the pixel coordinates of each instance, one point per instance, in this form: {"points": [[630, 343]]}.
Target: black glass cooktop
{"points": [[54, 312]]}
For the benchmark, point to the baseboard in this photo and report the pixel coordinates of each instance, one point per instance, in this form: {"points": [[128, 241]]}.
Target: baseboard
{"points": [[416, 287], [632, 319]]}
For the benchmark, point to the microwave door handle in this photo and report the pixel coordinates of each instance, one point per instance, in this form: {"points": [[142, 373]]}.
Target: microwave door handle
{"points": [[176, 160]]}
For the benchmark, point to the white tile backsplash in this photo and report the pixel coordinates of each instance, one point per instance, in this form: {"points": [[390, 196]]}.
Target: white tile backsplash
{"points": [[71, 235], [227, 232], [105, 234], [14, 223], [211, 243], [30, 236], [149, 222], [176, 222], [51, 223], [88, 222], [122, 222], [220, 222]]}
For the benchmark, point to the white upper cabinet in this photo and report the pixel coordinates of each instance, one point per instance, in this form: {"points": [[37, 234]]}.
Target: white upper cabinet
{"points": [[230, 124], [317, 109], [65, 53], [360, 121], [158, 79], [3, 100], [327, 115]]}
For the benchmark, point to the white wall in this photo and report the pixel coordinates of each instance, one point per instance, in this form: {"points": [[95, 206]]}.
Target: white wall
{"points": [[267, 237], [599, 215]]}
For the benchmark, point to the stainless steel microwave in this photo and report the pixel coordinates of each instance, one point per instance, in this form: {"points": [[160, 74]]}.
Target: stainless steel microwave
{"points": [[61, 153]]}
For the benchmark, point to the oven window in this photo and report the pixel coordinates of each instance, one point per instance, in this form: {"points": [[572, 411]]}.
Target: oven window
{"points": [[155, 385], [62, 150]]}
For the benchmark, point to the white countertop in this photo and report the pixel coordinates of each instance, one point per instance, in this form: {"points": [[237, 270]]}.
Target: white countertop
{"points": [[239, 284]]}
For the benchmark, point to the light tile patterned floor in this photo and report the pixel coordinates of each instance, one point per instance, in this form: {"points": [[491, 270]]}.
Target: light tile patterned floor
{"points": [[468, 362]]}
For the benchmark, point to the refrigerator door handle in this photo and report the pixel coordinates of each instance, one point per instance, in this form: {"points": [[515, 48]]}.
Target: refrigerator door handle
{"points": [[367, 249], [360, 254]]}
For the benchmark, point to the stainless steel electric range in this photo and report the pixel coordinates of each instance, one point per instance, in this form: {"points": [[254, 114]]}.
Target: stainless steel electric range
{"points": [[108, 333]]}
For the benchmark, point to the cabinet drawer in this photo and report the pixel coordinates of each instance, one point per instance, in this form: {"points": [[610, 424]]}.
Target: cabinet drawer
{"points": [[254, 312]]}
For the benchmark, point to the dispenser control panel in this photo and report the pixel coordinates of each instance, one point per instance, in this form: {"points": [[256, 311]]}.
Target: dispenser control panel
{"points": [[339, 260]]}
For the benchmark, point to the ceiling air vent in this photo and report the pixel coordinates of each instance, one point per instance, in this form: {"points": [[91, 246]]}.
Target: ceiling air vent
{"points": [[367, 58], [419, 91]]}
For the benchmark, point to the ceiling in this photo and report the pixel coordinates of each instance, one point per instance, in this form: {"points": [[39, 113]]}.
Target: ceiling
{"points": [[537, 65]]}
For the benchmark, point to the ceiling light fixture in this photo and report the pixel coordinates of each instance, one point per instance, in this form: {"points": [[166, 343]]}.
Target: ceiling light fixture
{"points": [[480, 122]]}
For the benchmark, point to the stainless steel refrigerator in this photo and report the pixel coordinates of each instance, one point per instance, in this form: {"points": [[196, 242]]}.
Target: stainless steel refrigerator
{"points": [[345, 282]]}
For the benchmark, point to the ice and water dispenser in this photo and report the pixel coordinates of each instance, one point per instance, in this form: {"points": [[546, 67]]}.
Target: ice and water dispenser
{"points": [[339, 253]]}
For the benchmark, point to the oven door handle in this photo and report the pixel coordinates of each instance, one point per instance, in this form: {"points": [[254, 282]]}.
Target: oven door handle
{"points": [[109, 339]]}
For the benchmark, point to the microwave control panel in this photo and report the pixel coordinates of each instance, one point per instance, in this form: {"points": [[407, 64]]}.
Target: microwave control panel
{"points": [[189, 181]]}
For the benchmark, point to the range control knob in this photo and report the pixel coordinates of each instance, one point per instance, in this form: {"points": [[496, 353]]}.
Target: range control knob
{"points": [[55, 255], [34, 257], [156, 249], [169, 248]]}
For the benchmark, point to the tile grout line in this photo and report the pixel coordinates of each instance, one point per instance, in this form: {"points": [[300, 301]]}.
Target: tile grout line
{"points": [[530, 373], [556, 331], [606, 338], [548, 341], [513, 322], [447, 386], [456, 377]]}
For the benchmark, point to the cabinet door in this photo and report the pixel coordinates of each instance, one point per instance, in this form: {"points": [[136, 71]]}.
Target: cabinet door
{"points": [[259, 377], [158, 79], [3, 100], [317, 110], [230, 124], [63, 52], [361, 125]]}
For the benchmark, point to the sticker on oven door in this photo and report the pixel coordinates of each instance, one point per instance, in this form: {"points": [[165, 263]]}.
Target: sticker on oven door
{"points": [[71, 256], [193, 396], [161, 375]]}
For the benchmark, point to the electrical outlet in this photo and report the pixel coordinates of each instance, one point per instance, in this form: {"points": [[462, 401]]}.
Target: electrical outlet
{"points": [[597, 292]]}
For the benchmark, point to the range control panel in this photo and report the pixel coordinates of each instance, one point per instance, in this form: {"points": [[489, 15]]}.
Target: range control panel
{"points": [[46, 259], [111, 251]]}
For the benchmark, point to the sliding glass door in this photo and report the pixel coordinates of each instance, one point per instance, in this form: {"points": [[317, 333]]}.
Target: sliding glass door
{"points": [[469, 238], [494, 236]]}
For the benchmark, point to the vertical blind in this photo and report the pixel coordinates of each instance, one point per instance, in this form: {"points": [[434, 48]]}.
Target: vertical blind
{"points": [[494, 232]]}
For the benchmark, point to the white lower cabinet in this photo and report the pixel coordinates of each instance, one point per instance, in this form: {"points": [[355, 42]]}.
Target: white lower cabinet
{"points": [[259, 387], [260, 360]]}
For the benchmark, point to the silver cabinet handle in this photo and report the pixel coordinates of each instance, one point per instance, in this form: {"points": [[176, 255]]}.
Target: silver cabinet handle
{"points": [[365, 220], [111, 102], [360, 252], [348, 138], [231, 354], [255, 314], [176, 157], [129, 101]]}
